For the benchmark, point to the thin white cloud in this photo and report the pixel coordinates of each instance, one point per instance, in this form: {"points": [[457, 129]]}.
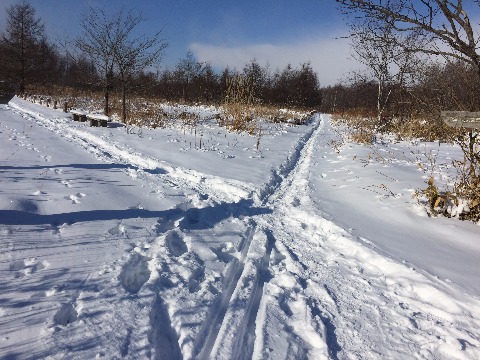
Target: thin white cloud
{"points": [[329, 57]]}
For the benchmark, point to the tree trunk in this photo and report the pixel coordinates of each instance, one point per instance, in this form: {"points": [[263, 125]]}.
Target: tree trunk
{"points": [[124, 109], [379, 102], [478, 85], [106, 101], [472, 138]]}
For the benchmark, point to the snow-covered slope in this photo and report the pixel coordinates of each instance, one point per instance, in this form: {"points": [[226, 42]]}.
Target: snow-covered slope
{"points": [[117, 245]]}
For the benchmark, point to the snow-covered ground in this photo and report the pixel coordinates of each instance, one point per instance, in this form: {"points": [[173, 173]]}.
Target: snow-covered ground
{"points": [[116, 245]]}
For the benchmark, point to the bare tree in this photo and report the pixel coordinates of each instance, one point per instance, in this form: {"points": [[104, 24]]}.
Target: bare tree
{"points": [[439, 21], [112, 42], [24, 33], [133, 52], [448, 32], [376, 44], [97, 44]]}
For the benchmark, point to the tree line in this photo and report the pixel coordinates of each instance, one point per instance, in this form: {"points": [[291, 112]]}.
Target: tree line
{"points": [[109, 56], [397, 82]]}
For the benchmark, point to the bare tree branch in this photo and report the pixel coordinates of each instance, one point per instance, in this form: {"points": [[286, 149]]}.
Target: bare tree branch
{"points": [[439, 20]]}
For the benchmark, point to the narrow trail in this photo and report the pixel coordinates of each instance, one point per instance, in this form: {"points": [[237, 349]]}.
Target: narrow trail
{"points": [[229, 332], [341, 297]]}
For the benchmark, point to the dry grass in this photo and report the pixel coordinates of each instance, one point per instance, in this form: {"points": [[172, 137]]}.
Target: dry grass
{"points": [[463, 201], [361, 126], [364, 126]]}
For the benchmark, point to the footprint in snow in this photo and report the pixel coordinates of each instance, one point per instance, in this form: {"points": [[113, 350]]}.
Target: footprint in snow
{"points": [[118, 230], [75, 198], [175, 244], [135, 273], [195, 280], [65, 315], [27, 266], [67, 183], [296, 202]]}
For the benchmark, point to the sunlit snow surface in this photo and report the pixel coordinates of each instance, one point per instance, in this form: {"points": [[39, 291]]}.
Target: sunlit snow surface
{"points": [[143, 245]]}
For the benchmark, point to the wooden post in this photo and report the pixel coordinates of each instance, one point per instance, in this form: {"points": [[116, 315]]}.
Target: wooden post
{"points": [[65, 106], [55, 104], [470, 121]]}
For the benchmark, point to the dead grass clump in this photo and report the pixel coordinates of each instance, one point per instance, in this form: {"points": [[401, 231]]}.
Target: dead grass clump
{"points": [[463, 202], [439, 202], [362, 129], [467, 185], [238, 117], [238, 114], [424, 129], [149, 117]]}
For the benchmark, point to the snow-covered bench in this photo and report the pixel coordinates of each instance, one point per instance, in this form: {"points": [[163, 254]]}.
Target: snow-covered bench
{"points": [[98, 120], [79, 115]]}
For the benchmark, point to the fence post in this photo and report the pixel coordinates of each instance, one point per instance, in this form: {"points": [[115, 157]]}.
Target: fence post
{"points": [[65, 106]]}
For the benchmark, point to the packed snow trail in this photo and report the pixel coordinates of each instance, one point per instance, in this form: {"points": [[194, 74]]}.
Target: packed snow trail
{"points": [[357, 303], [219, 270]]}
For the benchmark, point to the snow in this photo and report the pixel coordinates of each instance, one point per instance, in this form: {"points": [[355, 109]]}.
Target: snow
{"points": [[141, 244], [78, 112]]}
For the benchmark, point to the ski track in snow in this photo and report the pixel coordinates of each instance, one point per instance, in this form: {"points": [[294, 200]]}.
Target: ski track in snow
{"points": [[294, 286], [141, 166]]}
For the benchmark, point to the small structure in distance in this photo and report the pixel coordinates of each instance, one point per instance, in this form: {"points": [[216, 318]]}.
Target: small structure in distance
{"points": [[465, 119]]}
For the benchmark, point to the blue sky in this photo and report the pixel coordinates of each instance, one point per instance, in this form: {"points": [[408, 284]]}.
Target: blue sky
{"points": [[224, 32]]}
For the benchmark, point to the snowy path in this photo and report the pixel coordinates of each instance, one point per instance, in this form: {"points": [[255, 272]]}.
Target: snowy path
{"points": [[308, 289], [221, 269], [342, 298]]}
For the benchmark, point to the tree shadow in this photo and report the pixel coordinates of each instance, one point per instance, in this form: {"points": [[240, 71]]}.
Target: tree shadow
{"points": [[193, 218], [101, 166]]}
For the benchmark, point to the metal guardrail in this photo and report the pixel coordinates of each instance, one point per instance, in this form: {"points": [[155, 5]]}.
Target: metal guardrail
{"points": [[465, 119]]}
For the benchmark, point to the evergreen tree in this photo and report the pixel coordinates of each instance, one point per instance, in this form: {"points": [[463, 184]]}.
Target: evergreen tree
{"points": [[24, 36]]}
